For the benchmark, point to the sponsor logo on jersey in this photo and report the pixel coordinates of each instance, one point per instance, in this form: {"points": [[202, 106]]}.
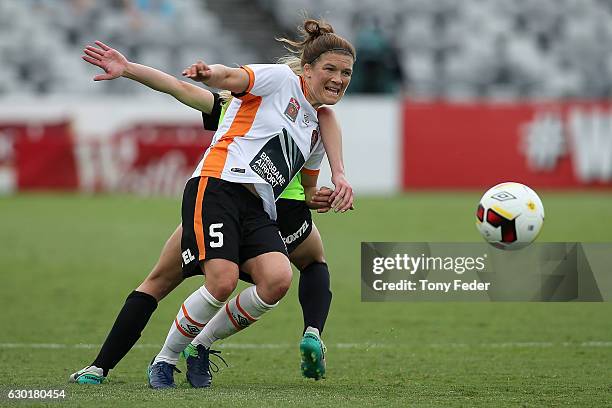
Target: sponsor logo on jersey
{"points": [[313, 139], [292, 109], [278, 161], [238, 170], [306, 120]]}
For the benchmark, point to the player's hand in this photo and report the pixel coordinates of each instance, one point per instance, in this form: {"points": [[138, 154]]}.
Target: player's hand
{"points": [[199, 72], [320, 200], [110, 60], [342, 197]]}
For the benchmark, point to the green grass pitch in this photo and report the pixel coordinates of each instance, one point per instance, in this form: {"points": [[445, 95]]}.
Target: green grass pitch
{"points": [[68, 262]]}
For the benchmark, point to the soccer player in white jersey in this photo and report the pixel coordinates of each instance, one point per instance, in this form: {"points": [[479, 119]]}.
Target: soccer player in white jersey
{"points": [[306, 251], [269, 133]]}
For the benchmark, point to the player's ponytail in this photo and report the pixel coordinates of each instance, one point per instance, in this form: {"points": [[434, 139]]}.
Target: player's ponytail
{"points": [[317, 37]]}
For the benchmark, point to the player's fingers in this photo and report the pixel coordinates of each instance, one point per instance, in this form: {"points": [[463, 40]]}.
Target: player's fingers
{"points": [[333, 195], [102, 45], [323, 210], [92, 54], [95, 50], [324, 193], [341, 194], [314, 205], [348, 199], [348, 203], [92, 61], [191, 72], [342, 202], [103, 77], [319, 200], [338, 198]]}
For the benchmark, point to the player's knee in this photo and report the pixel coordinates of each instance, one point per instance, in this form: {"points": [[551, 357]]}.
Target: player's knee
{"points": [[276, 285], [283, 283], [221, 289]]}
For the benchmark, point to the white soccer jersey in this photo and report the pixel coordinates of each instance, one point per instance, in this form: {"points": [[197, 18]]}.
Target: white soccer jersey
{"points": [[268, 134]]}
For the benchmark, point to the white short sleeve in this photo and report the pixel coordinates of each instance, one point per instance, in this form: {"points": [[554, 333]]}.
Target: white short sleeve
{"points": [[265, 79], [313, 164]]}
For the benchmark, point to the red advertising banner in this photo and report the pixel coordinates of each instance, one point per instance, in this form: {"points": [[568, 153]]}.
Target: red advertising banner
{"points": [[44, 159], [477, 145], [37, 155], [151, 159]]}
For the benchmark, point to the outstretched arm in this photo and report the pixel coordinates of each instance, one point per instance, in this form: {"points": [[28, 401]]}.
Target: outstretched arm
{"points": [[342, 197], [218, 76], [115, 65]]}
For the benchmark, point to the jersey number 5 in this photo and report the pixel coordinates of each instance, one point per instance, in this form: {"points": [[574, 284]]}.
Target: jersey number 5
{"points": [[215, 234]]}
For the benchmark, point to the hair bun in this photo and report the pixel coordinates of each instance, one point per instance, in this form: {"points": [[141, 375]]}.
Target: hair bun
{"points": [[316, 28]]}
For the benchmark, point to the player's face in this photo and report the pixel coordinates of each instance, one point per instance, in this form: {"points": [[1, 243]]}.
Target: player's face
{"points": [[328, 78]]}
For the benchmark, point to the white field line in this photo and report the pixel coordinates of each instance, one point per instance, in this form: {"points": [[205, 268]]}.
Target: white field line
{"points": [[526, 344]]}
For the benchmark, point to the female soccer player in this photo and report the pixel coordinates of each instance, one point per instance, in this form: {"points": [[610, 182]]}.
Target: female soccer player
{"points": [[263, 141], [306, 253]]}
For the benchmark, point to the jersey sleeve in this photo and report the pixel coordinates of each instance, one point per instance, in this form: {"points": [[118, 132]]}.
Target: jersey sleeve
{"points": [[313, 164], [265, 79], [211, 120]]}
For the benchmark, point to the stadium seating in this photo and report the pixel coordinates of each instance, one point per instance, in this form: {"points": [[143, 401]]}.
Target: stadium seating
{"points": [[41, 41], [484, 48], [445, 48]]}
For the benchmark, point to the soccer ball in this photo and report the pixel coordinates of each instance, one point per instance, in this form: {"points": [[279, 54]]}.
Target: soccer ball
{"points": [[510, 216]]}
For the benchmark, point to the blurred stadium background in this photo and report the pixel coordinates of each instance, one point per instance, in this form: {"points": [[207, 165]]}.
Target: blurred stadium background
{"points": [[448, 98], [445, 94]]}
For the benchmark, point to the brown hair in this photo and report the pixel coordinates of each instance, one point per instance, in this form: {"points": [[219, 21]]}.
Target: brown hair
{"points": [[317, 37]]}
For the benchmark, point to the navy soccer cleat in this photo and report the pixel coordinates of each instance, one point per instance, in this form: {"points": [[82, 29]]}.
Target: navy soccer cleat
{"points": [[161, 375], [199, 366]]}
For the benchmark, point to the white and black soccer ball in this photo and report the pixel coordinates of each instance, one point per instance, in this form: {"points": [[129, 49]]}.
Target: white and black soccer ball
{"points": [[510, 215]]}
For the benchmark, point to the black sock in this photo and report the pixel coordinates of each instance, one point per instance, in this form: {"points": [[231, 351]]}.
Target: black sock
{"points": [[128, 326], [314, 294]]}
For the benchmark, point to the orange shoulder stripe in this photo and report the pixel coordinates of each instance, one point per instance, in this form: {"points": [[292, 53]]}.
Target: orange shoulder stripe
{"points": [[215, 160], [251, 78]]}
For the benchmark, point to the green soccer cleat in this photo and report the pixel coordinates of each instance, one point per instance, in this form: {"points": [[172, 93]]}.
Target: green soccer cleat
{"points": [[312, 351], [88, 375]]}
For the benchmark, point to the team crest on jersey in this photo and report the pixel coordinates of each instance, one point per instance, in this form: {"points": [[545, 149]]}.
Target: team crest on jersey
{"points": [[292, 109], [313, 139]]}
